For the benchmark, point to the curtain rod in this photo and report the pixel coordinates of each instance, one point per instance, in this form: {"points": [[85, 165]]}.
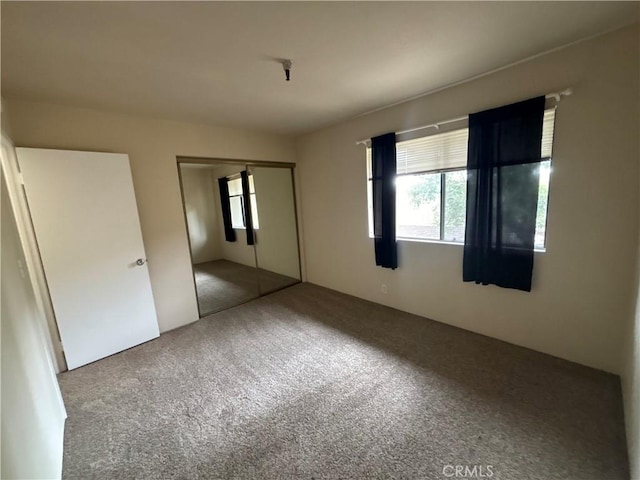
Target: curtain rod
{"points": [[557, 96]]}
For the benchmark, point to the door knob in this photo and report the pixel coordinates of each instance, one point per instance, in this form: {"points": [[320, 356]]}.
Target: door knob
{"points": [[141, 261]]}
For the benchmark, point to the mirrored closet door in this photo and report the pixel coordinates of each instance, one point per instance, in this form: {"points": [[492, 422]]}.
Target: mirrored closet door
{"points": [[276, 237], [242, 229]]}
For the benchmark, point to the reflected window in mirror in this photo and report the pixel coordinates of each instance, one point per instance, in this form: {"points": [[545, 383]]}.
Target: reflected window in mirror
{"points": [[236, 201]]}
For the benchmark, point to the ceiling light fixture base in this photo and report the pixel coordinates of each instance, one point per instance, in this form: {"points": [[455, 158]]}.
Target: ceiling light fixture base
{"points": [[286, 65]]}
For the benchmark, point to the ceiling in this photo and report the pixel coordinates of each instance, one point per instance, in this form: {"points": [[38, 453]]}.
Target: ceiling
{"points": [[217, 62]]}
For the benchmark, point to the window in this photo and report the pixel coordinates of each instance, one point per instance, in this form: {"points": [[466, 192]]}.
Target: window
{"points": [[236, 202], [431, 185]]}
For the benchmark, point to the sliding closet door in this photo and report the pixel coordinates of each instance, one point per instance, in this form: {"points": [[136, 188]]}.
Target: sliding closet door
{"points": [[275, 227], [224, 263], [241, 223]]}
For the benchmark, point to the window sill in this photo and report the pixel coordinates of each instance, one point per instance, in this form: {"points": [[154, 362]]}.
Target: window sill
{"points": [[428, 240], [445, 242]]}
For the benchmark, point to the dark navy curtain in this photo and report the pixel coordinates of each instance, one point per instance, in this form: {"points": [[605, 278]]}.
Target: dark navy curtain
{"points": [[229, 233], [246, 194], [383, 166], [502, 194]]}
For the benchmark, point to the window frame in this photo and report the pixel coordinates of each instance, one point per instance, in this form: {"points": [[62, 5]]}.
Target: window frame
{"points": [[442, 172]]}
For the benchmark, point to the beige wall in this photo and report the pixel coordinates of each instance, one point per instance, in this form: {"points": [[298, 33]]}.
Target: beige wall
{"points": [[582, 284], [152, 145], [202, 213], [277, 239], [32, 413], [4, 119]]}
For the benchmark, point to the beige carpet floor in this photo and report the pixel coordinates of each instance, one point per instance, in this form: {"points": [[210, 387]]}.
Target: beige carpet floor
{"points": [[308, 383], [221, 284]]}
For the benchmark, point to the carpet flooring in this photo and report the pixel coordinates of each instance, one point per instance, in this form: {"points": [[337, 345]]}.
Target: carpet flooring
{"points": [[222, 284], [308, 383]]}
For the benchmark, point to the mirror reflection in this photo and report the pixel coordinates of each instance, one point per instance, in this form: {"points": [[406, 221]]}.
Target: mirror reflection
{"points": [[276, 242], [242, 230]]}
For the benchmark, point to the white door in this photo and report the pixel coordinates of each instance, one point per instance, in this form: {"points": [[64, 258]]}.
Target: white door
{"points": [[86, 222]]}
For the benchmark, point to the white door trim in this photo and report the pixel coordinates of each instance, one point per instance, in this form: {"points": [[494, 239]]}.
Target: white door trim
{"points": [[29, 245]]}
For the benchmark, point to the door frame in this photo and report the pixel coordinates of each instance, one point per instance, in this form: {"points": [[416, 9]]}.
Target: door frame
{"points": [[35, 269]]}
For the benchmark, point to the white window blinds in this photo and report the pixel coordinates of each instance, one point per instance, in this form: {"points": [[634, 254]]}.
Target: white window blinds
{"points": [[435, 152], [235, 187], [446, 151], [547, 133]]}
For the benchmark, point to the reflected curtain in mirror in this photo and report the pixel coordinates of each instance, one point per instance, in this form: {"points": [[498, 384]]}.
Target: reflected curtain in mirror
{"points": [[229, 233], [246, 194]]}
